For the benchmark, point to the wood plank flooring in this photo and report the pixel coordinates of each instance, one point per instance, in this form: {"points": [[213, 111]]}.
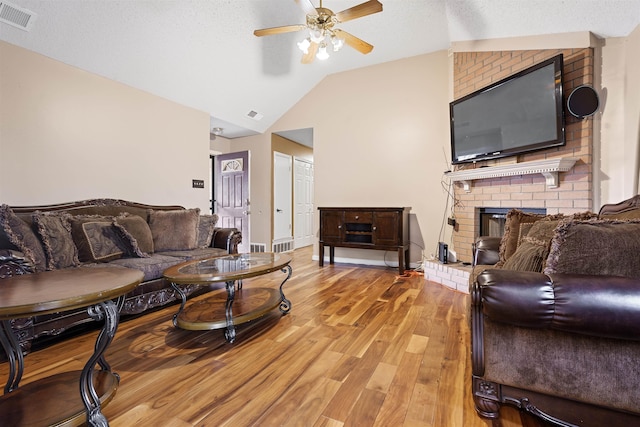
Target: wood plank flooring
{"points": [[360, 347]]}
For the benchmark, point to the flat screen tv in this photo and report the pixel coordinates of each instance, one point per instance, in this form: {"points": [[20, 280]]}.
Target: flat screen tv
{"points": [[520, 113]]}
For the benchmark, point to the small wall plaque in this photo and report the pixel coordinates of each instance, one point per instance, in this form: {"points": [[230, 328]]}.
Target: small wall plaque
{"points": [[197, 183]]}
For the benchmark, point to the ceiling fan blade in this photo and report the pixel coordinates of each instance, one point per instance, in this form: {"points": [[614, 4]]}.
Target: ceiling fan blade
{"points": [[353, 41], [363, 9], [307, 6], [308, 57], [279, 30]]}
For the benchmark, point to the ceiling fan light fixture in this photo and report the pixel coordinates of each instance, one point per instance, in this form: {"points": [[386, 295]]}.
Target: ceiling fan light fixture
{"points": [[316, 35], [322, 52], [337, 43], [304, 45], [321, 27]]}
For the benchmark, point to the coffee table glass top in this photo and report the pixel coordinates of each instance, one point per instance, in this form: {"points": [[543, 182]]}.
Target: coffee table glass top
{"points": [[227, 268]]}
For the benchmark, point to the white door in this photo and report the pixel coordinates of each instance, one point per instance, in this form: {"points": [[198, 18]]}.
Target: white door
{"points": [[282, 189], [303, 203]]}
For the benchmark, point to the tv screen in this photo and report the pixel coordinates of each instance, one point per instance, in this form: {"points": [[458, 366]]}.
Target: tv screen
{"points": [[520, 113]]}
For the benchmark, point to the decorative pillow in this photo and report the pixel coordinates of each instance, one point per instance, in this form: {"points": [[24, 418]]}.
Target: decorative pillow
{"points": [[136, 233], [533, 250], [18, 234], [524, 230], [174, 230], [206, 224], [509, 242], [596, 247], [55, 233], [96, 238]]}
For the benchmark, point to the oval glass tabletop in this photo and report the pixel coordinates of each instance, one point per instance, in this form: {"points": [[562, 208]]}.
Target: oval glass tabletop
{"points": [[226, 268]]}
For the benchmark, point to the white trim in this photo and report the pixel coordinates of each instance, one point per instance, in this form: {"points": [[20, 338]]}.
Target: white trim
{"points": [[549, 168]]}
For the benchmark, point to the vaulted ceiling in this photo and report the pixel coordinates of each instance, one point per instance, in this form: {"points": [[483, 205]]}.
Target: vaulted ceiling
{"points": [[203, 54]]}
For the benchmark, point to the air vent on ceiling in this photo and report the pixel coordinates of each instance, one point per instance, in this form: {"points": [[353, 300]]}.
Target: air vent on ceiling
{"points": [[254, 115], [16, 16]]}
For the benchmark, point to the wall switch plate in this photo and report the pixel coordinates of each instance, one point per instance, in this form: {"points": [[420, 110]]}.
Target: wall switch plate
{"points": [[197, 183]]}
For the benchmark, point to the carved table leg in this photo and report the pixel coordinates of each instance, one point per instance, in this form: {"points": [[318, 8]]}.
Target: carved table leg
{"points": [[14, 355], [183, 301], [285, 304], [108, 311], [230, 331]]}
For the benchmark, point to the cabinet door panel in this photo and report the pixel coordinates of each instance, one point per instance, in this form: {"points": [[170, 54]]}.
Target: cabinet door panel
{"points": [[331, 226], [386, 228]]}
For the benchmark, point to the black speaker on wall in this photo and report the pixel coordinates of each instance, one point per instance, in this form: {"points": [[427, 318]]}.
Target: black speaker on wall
{"points": [[583, 102]]}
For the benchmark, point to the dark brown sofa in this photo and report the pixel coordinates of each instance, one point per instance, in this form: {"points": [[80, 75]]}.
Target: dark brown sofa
{"points": [[111, 232], [562, 343]]}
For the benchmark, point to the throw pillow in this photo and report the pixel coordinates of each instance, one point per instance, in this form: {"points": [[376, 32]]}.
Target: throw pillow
{"points": [[55, 232], [206, 225], [96, 238], [533, 250], [596, 247], [175, 229], [509, 242], [16, 233], [136, 233]]}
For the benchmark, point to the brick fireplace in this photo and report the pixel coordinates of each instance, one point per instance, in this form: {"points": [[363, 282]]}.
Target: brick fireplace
{"points": [[573, 193]]}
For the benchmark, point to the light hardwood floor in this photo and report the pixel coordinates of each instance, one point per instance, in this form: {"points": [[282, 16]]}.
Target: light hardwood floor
{"points": [[361, 347]]}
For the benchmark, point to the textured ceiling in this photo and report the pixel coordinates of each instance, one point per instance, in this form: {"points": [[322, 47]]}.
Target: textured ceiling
{"points": [[203, 54]]}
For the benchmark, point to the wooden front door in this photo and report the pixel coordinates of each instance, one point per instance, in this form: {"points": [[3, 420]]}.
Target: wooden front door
{"points": [[231, 198]]}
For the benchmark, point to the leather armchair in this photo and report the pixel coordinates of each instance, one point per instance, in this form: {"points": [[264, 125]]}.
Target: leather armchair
{"points": [[564, 347]]}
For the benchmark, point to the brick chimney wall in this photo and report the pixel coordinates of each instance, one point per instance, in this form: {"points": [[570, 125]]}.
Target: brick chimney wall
{"points": [[475, 70]]}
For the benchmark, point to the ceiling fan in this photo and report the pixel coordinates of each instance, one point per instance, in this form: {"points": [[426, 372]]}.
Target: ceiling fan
{"points": [[322, 32]]}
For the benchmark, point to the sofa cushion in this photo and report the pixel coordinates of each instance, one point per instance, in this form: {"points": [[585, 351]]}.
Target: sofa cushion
{"points": [[152, 266], [596, 247], [198, 253], [206, 225], [136, 232], [174, 229], [55, 232], [17, 234], [532, 252]]}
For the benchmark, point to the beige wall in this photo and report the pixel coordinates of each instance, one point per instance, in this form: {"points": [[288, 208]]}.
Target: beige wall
{"points": [[66, 134], [620, 118], [260, 165], [379, 135]]}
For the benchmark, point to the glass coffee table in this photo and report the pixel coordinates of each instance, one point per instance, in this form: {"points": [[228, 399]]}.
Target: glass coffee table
{"points": [[238, 305]]}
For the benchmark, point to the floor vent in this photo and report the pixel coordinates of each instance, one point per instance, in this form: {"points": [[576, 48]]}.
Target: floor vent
{"points": [[16, 16], [283, 246], [258, 247]]}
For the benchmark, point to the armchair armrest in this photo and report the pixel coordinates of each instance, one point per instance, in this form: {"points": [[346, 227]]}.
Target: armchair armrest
{"points": [[13, 263], [603, 306], [486, 250], [226, 238]]}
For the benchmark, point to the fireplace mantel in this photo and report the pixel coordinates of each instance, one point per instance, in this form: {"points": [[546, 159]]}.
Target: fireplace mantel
{"points": [[549, 168]]}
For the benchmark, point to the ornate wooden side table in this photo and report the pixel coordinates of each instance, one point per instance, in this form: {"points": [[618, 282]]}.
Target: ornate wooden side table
{"points": [[55, 400]]}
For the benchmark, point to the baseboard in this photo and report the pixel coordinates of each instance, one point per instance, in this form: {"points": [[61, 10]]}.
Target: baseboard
{"points": [[363, 261]]}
